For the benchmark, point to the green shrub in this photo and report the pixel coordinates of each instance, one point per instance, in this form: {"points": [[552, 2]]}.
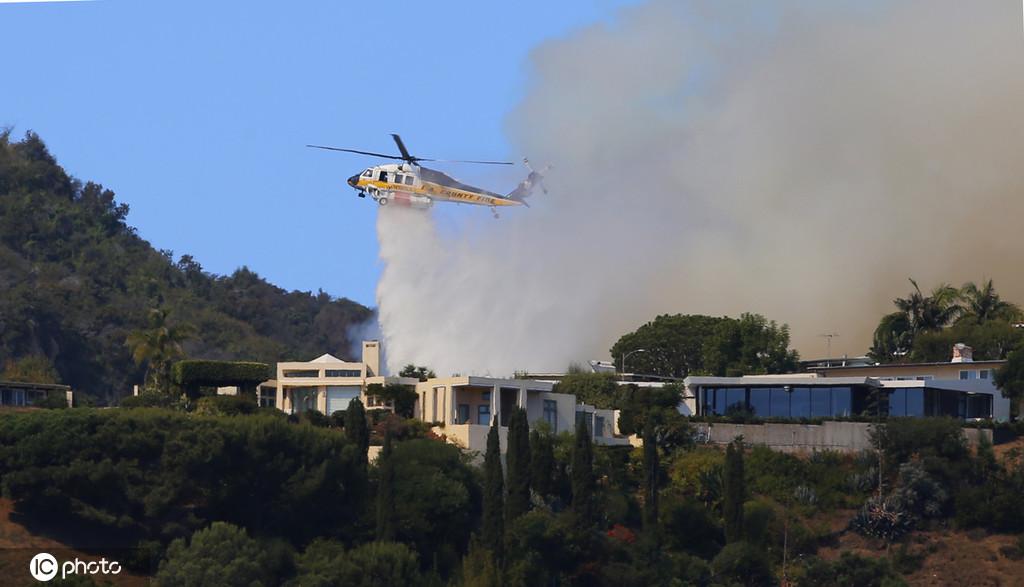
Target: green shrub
{"points": [[219, 373], [902, 438], [850, 570], [326, 563], [222, 554], [226, 405], [758, 518], [152, 399], [743, 563], [688, 526]]}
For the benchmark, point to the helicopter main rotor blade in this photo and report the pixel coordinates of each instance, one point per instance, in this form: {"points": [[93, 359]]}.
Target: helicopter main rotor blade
{"points": [[371, 153], [467, 161], [404, 151]]}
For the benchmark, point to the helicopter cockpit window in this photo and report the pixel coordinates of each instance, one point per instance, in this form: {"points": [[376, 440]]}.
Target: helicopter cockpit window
{"points": [[367, 173], [408, 180], [383, 176]]}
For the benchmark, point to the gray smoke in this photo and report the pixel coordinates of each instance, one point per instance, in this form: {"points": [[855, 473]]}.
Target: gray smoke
{"points": [[797, 160]]}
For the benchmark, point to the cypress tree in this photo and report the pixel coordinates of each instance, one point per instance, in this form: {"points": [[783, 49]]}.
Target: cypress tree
{"points": [[583, 475], [358, 433], [542, 463], [386, 492], [356, 429], [517, 458], [651, 474], [494, 494], [735, 491]]}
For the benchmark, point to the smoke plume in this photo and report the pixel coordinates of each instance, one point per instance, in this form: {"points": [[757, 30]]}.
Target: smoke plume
{"points": [[796, 159]]}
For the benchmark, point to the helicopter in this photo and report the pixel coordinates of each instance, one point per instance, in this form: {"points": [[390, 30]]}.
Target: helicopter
{"points": [[413, 185]]}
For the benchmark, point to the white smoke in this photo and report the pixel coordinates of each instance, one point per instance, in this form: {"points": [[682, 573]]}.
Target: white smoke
{"points": [[799, 160]]}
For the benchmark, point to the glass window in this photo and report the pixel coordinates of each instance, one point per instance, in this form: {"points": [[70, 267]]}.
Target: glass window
{"points": [[483, 415], [760, 402], [735, 400], [898, 403], [915, 402], [462, 415], [984, 373], [302, 373], [598, 425], [821, 405], [399, 177], [966, 375], [408, 180], [720, 401], [779, 403], [342, 373], [841, 402], [979, 406], [383, 176], [367, 173], [707, 401], [800, 402], [551, 414], [486, 396]]}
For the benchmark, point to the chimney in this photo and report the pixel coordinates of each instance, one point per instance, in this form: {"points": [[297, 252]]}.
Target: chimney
{"points": [[371, 357], [962, 353]]}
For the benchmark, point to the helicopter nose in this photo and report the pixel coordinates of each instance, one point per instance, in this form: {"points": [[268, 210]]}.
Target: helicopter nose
{"points": [[352, 181]]}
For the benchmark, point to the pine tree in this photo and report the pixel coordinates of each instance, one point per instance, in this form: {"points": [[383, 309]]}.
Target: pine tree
{"points": [[517, 458], [494, 494], [542, 463], [583, 475], [735, 491], [651, 473], [386, 492]]}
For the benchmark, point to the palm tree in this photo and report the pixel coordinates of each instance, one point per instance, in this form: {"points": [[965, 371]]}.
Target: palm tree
{"points": [[931, 312], [158, 347], [982, 304]]}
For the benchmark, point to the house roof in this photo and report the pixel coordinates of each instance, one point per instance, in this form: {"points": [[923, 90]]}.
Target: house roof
{"points": [[327, 358]]}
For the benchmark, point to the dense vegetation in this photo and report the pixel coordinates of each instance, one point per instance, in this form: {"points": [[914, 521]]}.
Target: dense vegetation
{"points": [[78, 281], [258, 498]]}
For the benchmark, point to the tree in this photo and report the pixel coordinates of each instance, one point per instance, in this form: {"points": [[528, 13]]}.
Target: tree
{"points": [[981, 304], [583, 475], [30, 369], [735, 491], [356, 429], [596, 389], [493, 527], [651, 478], [419, 372], [637, 405], [542, 462], [386, 491], [893, 338], [158, 347], [222, 554], [401, 397], [325, 563], [931, 312], [1009, 378], [680, 345], [517, 458]]}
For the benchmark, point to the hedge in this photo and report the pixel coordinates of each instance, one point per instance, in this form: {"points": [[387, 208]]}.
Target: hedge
{"points": [[219, 373]]}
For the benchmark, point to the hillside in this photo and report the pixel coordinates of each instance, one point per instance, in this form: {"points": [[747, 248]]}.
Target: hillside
{"points": [[76, 279]]}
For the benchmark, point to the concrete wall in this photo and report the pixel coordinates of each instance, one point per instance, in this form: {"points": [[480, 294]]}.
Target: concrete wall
{"points": [[837, 436]]}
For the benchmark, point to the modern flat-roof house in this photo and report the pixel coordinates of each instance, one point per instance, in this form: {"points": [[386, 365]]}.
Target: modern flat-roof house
{"points": [[809, 396], [20, 394], [327, 384], [463, 409]]}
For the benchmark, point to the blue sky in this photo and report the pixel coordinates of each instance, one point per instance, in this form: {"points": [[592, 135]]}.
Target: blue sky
{"points": [[196, 113]]}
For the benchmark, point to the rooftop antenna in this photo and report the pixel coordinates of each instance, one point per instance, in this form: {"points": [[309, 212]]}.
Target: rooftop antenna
{"points": [[828, 345]]}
